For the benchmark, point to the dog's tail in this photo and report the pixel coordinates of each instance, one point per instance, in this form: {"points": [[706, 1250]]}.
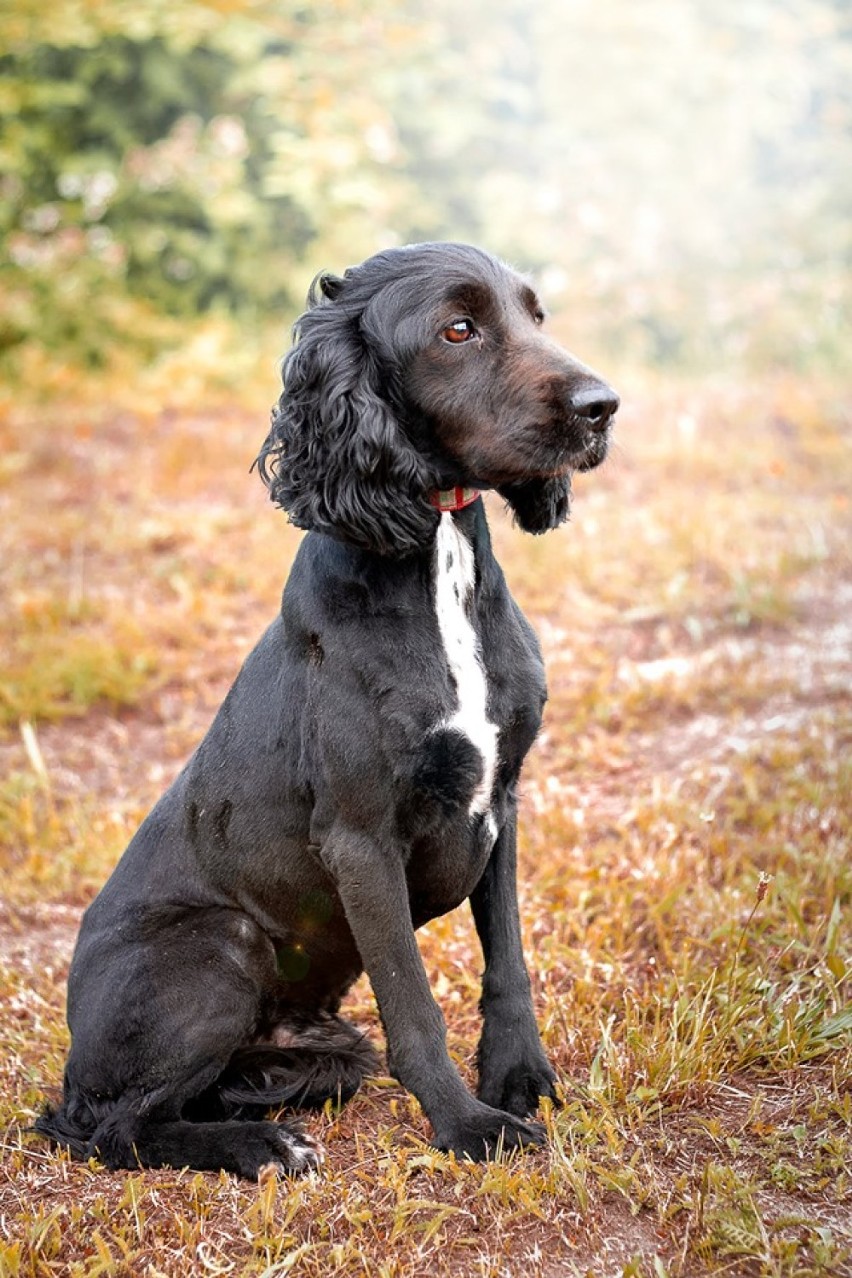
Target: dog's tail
{"points": [[72, 1130], [304, 1065]]}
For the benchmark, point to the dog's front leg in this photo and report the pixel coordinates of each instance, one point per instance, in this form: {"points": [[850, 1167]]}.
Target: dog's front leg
{"points": [[513, 1069], [371, 883]]}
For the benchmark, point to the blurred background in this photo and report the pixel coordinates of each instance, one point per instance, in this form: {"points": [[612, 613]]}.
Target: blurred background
{"points": [[677, 175]]}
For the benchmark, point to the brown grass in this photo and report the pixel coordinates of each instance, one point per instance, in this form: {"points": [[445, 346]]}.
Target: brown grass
{"points": [[685, 851]]}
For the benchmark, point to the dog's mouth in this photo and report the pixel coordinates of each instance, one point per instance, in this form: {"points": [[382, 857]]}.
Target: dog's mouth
{"points": [[585, 449], [485, 474], [595, 450], [549, 449]]}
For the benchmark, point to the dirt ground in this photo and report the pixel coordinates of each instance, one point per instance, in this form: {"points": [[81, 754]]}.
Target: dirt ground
{"points": [[696, 621]]}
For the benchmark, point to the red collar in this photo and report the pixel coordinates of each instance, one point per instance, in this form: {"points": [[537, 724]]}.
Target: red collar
{"points": [[454, 498]]}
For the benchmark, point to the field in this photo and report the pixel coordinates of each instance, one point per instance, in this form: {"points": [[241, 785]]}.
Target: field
{"points": [[685, 856]]}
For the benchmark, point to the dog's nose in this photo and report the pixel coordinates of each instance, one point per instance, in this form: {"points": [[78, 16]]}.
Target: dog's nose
{"points": [[595, 402]]}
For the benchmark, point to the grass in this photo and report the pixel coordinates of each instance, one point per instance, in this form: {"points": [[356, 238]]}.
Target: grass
{"points": [[685, 849]]}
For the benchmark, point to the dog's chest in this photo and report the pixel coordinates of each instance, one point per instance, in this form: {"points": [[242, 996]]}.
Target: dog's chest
{"points": [[453, 574]]}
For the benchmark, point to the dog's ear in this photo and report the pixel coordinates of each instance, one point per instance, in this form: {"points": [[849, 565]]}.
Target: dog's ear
{"points": [[336, 458], [539, 504]]}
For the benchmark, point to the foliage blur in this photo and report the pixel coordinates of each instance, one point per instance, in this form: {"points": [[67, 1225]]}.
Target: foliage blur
{"points": [[678, 175]]}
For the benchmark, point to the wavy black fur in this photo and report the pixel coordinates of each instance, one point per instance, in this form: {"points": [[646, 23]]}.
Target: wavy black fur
{"points": [[336, 458]]}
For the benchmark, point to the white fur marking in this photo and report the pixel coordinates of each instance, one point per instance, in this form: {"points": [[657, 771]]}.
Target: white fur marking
{"points": [[454, 576]]}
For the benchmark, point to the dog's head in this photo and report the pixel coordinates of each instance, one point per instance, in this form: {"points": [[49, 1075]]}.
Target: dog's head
{"points": [[423, 368]]}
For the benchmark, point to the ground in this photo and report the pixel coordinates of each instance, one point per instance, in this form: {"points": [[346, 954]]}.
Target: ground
{"points": [[685, 847]]}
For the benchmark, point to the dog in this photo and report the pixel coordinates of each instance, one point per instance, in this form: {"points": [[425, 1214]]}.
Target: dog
{"points": [[360, 777]]}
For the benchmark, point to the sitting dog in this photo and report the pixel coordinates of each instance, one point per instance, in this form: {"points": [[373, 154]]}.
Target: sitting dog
{"points": [[360, 777]]}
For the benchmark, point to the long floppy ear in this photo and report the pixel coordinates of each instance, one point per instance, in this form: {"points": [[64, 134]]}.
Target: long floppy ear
{"points": [[335, 458], [539, 504]]}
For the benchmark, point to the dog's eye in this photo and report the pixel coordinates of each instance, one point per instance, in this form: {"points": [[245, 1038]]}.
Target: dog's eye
{"points": [[460, 331], [539, 316]]}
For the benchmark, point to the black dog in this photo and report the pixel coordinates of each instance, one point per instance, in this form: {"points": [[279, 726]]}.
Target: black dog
{"points": [[360, 776]]}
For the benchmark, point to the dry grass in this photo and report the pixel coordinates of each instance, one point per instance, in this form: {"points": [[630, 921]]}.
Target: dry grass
{"points": [[685, 856]]}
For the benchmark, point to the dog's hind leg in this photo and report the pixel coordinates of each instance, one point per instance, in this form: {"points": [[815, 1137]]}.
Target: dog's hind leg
{"points": [[159, 1002], [245, 1148]]}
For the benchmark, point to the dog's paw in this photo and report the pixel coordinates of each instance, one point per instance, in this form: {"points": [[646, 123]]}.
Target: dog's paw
{"points": [[302, 1153], [281, 1148], [487, 1133], [518, 1088]]}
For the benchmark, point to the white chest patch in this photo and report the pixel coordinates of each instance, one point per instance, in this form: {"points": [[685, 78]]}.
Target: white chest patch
{"points": [[454, 575]]}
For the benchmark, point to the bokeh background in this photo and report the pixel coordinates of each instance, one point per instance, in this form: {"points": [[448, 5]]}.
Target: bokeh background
{"points": [[677, 174]]}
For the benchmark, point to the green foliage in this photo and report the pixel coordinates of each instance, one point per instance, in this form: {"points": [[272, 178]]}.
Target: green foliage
{"points": [[138, 171], [677, 174]]}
